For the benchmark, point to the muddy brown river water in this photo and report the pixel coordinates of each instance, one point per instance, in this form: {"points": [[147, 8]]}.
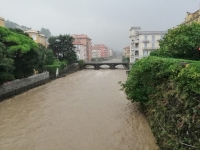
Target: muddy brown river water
{"points": [[83, 111]]}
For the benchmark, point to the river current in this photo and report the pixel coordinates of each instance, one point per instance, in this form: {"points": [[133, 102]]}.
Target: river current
{"points": [[85, 110]]}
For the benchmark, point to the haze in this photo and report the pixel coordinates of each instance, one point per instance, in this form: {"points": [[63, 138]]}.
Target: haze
{"points": [[104, 21]]}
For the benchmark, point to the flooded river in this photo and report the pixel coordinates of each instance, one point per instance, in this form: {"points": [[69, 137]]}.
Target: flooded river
{"points": [[82, 111]]}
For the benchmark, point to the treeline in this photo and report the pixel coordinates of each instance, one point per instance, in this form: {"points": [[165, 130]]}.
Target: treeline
{"points": [[20, 56], [13, 25], [167, 86]]}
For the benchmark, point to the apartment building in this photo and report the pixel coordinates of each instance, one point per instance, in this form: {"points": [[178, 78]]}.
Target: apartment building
{"points": [[37, 37], [81, 51], [86, 42], [102, 50], [110, 52], [126, 51], [2, 22], [192, 17], [96, 53], [143, 42]]}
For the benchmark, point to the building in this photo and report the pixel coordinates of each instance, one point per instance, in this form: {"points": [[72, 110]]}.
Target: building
{"points": [[126, 51], [192, 17], [143, 42], [96, 53], [37, 37], [102, 50], [2, 22], [81, 50], [110, 52], [83, 40]]}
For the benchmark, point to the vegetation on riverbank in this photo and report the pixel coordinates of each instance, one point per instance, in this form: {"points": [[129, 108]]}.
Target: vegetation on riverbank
{"points": [[20, 56], [169, 89]]}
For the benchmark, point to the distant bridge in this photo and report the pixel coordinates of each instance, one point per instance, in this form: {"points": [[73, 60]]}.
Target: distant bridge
{"points": [[112, 65]]}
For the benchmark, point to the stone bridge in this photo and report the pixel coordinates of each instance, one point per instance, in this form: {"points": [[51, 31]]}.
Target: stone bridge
{"points": [[112, 65]]}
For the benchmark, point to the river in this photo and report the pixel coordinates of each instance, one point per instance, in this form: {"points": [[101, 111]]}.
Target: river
{"points": [[85, 110]]}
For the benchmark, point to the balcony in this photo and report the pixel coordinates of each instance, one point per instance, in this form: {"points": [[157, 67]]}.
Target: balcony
{"points": [[151, 48], [145, 41]]}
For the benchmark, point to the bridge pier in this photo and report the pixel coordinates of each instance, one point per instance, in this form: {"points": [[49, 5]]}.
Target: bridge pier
{"points": [[112, 66]]}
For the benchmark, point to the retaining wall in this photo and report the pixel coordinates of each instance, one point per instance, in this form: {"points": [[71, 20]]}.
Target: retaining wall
{"points": [[22, 85]]}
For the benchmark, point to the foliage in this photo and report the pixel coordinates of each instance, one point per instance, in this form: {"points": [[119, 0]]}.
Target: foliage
{"points": [[81, 64], [19, 31], [181, 42], [23, 51], [16, 44], [49, 59], [125, 59], [63, 47], [46, 32], [169, 92], [62, 64], [6, 66], [56, 64], [52, 68]]}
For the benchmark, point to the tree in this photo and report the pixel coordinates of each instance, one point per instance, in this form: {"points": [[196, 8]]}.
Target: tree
{"points": [[6, 66], [19, 31], [181, 42], [63, 47], [21, 49], [125, 59]]}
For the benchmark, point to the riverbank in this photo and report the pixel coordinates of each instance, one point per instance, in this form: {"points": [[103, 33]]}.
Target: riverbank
{"points": [[19, 86]]}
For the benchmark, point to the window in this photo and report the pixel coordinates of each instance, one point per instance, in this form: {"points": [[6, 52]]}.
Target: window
{"points": [[145, 52], [136, 45], [153, 37], [153, 45], [145, 45], [145, 37], [136, 53], [34, 37], [161, 36]]}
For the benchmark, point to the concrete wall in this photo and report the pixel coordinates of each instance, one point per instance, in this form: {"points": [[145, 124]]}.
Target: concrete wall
{"points": [[19, 86]]}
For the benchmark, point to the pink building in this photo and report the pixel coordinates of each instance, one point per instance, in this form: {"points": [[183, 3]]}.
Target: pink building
{"points": [[83, 42], [104, 52]]}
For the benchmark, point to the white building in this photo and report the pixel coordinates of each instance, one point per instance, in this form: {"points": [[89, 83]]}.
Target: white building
{"points": [[143, 42], [81, 52], [110, 52]]}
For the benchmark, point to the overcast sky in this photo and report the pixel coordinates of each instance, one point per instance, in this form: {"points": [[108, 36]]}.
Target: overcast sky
{"points": [[104, 21]]}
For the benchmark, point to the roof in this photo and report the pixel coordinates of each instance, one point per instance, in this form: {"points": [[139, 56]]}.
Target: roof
{"points": [[135, 28], [127, 47], [32, 31], [77, 43], [2, 19], [80, 36]]}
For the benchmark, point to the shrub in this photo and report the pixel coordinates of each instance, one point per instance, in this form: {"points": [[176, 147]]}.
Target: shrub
{"points": [[181, 42], [169, 91], [81, 64], [56, 64], [52, 68]]}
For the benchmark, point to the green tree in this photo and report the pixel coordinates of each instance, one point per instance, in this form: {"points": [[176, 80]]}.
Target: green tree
{"points": [[181, 42], [125, 59], [21, 49], [63, 47], [6, 66], [19, 31]]}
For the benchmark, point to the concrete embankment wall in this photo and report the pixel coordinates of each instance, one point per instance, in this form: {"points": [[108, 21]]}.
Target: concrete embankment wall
{"points": [[22, 85]]}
